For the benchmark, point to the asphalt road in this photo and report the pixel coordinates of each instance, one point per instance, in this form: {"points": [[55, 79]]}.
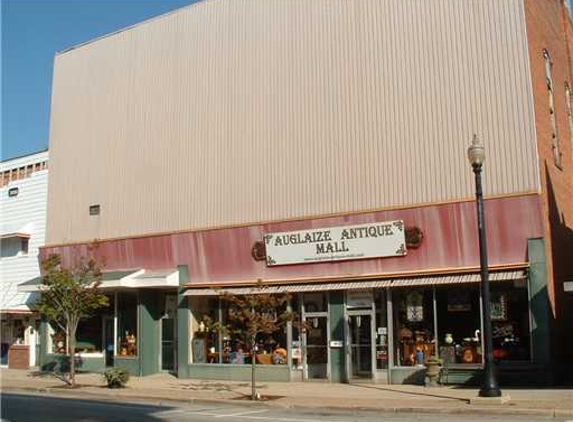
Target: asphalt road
{"points": [[44, 408]]}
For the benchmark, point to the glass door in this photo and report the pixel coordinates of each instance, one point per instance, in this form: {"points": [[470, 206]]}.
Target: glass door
{"points": [[168, 344], [316, 339], [360, 326]]}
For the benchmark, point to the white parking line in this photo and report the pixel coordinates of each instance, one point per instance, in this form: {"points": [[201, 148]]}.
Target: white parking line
{"points": [[250, 412]]}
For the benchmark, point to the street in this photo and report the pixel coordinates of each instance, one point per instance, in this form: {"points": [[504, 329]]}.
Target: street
{"points": [[34, 408]]}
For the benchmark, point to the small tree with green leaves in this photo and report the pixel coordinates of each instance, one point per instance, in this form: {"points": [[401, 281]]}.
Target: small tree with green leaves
{"points": [[253, 314], [69, 295]]}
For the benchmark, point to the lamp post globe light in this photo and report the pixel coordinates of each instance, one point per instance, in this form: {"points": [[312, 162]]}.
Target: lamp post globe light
{"points": [[490, 388]]}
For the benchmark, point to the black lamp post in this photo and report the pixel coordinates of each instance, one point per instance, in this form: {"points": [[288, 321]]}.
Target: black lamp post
{"points": [[490, 388]]}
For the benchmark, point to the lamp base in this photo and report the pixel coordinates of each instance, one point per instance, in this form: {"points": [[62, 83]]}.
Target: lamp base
{"points": [[490, 392]]}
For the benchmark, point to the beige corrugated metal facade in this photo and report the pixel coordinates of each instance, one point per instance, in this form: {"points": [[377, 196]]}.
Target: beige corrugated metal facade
{"points": [[236, 111]]}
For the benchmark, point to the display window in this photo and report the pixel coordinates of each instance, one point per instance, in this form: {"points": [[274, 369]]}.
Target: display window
{"points": [[205, 345], [296, 337], [89, 335], [315, 302], [510, 321], [211, 346], [459, 324], [127, 324], [381, 333], [414, 326]]}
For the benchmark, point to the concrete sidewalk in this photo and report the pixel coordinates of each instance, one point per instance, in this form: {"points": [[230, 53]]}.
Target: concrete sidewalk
{"points": [[316, 395]]}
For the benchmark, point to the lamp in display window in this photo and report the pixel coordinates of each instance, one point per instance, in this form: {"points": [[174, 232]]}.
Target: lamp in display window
{"points": [[490, 388]]}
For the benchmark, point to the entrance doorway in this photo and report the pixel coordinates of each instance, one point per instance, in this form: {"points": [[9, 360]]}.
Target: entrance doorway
{"points": [[168, 348], [316, 342], [360, 342]]}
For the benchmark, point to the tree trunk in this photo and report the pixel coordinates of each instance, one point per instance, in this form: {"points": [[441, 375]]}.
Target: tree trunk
{"points": [[253, 378], [72, 345]]}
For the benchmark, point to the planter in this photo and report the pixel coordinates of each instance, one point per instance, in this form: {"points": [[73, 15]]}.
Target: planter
{"points": [[433, 370]]}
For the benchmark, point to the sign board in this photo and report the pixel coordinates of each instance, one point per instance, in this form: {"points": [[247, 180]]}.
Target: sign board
{"points": [[336, 344], [369, 240], [359, 299]]}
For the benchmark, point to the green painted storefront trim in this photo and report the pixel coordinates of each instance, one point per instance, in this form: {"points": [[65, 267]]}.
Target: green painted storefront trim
{"points": [[337, 333], [183, 323], [231, 372], [539, 304], [149, 309], [132, 364], [54, 362]]}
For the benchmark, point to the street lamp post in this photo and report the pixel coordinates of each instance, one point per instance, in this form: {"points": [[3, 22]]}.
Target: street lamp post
{"points": [[490, 388]]}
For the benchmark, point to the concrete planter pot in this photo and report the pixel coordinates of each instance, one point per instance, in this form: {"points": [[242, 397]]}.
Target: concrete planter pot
{"points": [[433, 370]]}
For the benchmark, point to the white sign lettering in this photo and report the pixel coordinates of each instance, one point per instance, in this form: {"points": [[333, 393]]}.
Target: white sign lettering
{"points": [[370, 240]]}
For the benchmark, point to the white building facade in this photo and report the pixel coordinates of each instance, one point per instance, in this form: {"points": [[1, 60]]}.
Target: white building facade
{"points": [[23, 199]]}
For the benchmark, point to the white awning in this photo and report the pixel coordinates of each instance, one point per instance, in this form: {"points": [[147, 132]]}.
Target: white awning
{"points": [[121, 279], [458, 278], [22, 231], [360, 285]]}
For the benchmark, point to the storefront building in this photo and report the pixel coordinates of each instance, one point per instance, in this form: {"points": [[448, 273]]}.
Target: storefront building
{"points": [[23, 201], [320, 149]]}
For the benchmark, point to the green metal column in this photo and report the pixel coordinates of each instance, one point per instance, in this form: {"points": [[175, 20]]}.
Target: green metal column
{"points": [[539, 301], [183, 322], [337, 333], [149, 315]]}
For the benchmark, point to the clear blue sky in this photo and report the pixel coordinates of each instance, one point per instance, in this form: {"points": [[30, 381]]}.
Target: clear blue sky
{"points": [[32, 32]]}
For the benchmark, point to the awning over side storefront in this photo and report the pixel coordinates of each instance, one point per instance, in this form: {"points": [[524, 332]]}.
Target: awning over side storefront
{"points": [[132, 279], [359, 285]]}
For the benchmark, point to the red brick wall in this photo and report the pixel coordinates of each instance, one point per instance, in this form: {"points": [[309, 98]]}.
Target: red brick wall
{"points": [[19, 357], [549, 27]]}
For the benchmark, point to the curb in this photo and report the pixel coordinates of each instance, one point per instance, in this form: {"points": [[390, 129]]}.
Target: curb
{"points": [[161, 401]]}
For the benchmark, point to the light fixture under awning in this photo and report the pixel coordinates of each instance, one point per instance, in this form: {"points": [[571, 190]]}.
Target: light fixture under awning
{"points": [[132, 279], [359, 285]]}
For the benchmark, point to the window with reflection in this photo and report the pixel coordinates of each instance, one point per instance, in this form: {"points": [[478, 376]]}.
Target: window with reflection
{"points": [[414, 326]]}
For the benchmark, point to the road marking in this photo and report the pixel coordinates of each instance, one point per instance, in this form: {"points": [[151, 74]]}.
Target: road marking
{"points": [[248, 415], [191, 410], [245, 414], [250, 412]]}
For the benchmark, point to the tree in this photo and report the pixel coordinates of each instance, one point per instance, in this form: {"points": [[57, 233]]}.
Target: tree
{"points": [[253, 314], [69, 295]]}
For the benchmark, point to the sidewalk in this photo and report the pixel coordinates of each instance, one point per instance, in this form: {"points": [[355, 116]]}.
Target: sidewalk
{"points": [[310, 395]]}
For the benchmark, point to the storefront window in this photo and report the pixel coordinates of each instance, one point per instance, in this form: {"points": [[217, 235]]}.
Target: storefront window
{"points": [[89, 335], [510, 321], [296, 345], [57, 342], [127, 323], [315, 302], [210, 346], [204, 344], [414, 326], [459, 324], [270, 349]]}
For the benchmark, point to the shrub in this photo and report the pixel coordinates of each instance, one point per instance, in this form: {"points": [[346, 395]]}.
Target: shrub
{"points": [[116, 377]]}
